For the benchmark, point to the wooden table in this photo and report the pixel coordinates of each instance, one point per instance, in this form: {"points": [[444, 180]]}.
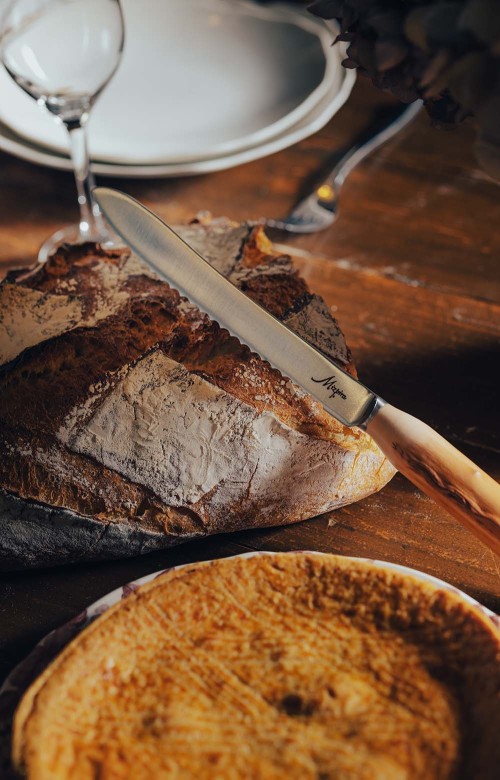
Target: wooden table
{"points": [[412, 269]]}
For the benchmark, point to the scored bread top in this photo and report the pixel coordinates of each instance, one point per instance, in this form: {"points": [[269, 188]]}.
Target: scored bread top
{"points": [[123, 402], [274, 666], [82, 288]]}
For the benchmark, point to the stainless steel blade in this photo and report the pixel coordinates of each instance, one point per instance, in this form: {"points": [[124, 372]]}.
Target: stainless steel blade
{"points": [[185, 270]]}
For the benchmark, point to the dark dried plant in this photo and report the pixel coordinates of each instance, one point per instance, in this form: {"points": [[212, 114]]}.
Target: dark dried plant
{"points": [[444, 51]]}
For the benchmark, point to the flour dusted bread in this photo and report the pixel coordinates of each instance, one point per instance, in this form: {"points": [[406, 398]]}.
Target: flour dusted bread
{"points": [[271, 667], [130, 421]]}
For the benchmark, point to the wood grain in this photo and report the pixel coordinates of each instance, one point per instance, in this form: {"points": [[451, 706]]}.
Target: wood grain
{"points": [[411, 266]]}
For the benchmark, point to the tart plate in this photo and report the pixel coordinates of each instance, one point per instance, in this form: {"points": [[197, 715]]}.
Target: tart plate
{"points": [[21, 677]]}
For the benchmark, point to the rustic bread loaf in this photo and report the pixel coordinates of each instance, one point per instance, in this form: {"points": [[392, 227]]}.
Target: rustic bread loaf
{"points": [[130, 421], [271, 667]]}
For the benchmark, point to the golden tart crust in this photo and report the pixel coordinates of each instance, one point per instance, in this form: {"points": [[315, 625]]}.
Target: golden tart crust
{"points": [[291, 665]]}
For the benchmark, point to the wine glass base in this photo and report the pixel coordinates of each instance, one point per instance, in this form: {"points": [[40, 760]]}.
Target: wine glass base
{"points": [[72, 235]]}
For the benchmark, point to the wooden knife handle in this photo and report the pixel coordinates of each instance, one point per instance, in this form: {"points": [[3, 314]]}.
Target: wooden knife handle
{"points": [[441, 471]]}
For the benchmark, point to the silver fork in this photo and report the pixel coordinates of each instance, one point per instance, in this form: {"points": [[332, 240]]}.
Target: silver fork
{"points": [[319, 210]]}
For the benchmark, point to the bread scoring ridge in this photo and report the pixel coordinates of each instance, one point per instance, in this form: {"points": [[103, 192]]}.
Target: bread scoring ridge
{"points": [[126, 319]]}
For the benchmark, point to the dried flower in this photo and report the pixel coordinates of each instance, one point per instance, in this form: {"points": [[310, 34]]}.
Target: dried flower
{"points": [[445, 51]]}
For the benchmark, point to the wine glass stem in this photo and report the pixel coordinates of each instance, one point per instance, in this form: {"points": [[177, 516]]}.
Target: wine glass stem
{"points": [[91, 226]]}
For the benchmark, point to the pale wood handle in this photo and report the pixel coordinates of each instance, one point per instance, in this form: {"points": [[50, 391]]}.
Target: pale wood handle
{"points": [[441, 471]]}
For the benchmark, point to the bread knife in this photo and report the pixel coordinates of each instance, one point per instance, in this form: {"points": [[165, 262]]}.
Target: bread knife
{"points": [[418, 451]]}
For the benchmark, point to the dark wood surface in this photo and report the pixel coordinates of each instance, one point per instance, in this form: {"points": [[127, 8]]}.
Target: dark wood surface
{"points": [[411, 267]]}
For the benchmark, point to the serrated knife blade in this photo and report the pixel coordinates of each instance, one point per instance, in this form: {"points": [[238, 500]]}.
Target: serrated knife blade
{"points": [[183, 268], [427, 459]]}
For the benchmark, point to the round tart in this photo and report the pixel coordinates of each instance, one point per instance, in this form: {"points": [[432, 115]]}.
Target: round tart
{"points": [[294, 665]]}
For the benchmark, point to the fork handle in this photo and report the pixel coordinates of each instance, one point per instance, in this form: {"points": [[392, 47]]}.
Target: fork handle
{"points": [[440, 470], [386, 123]]}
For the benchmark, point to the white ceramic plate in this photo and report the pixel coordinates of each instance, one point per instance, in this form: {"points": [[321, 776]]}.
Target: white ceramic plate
{"points": [[198, 79], [313, 122]]}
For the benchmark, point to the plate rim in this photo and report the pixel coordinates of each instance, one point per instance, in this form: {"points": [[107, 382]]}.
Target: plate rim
{"points": [[280, 13], [14, 145]]}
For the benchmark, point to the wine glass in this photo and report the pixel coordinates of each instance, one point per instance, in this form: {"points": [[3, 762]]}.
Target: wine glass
{"points": [[63, 53]]}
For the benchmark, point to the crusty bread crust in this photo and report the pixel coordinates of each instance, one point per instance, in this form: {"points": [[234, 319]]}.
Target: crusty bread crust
{"points": [[81, 338], [284, 665]]}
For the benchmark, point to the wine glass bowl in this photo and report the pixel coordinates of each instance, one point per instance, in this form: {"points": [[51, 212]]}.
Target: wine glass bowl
{"points": [[63, 53]]}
